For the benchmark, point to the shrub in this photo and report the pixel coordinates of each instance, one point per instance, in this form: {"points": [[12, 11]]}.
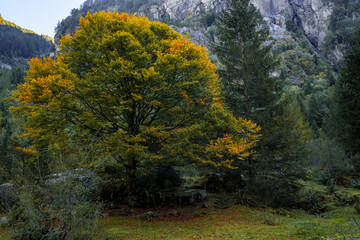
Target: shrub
{"points": [[312, 202], [61, 209]]}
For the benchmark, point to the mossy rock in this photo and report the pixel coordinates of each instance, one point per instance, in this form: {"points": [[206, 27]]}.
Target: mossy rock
{"points": [[149, 216], [190, 196], [174, 213], [194, 182], [282, 212]]}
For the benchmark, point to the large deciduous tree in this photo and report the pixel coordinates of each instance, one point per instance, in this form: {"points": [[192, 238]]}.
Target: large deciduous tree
{"points": [[137, 91]]}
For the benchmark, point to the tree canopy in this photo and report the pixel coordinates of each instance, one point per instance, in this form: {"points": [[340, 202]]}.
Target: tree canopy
{"points": [[135, 90]]}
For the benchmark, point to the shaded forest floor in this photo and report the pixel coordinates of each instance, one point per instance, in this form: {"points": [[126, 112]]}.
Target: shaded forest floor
{"points": [[214, 221]]}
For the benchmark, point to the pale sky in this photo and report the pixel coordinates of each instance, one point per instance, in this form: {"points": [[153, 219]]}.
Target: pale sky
{"points": [[40, 16]]}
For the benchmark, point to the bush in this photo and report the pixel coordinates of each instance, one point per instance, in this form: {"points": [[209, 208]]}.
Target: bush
{"points": [[312, 202], [357, 208], [8, 196], [61, 209], [274, 191]]}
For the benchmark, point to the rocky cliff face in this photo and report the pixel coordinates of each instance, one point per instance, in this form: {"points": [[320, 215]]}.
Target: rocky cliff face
{"points": [[310, 15], [308, 18], [180, 9]]}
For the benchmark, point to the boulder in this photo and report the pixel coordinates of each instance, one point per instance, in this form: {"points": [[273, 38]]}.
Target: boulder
{"points": [[205, 205], [86, 176], [174, 213], [149, 216], [146, 198], [190, 196]]}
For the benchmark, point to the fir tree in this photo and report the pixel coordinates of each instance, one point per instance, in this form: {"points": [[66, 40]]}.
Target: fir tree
{"points": [[249, 89], [244, 49], [348, 99], [247, 61]]}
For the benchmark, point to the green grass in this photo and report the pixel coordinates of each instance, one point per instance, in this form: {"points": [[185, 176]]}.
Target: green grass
{"points": [[237, 222]]}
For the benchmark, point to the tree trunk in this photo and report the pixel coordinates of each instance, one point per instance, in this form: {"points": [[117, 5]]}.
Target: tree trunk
{"points": [[131, 164], [246, 100], [246, 114], [131, 167], [251, 170]]}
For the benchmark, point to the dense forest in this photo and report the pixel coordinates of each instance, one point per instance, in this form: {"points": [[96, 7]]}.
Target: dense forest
{"points": [[342, 24], [69, 24], [132, 113], [17, 45], [18, 42]]}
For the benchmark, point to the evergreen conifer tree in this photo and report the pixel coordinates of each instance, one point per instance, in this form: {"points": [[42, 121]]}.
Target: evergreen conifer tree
{"points": [[244, 50], [348, 99], [247, 60]]}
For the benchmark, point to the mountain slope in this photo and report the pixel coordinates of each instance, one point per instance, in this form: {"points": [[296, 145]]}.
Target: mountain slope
{"points": [[69, 24], [18, 42], [312, 19]]}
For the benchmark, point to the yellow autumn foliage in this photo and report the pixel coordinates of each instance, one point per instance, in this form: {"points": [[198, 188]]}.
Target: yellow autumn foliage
{"points": [[135, 90]]}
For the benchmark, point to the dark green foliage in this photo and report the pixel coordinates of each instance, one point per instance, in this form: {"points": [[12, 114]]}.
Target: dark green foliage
{"points": [[224, 180], [60, 208], [312, 202], [357, 208], [15, 43], [248, 87], [208, 19], [328, 161], [249, 90], [252, 92], [280, 156], [9, 126], [348, 99], [291, 26], [8, 196], [17, 75], [342, 25], [338, 14]]}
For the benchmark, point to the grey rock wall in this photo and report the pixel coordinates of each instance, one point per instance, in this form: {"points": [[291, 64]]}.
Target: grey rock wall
{"points": [[310, 15]]}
